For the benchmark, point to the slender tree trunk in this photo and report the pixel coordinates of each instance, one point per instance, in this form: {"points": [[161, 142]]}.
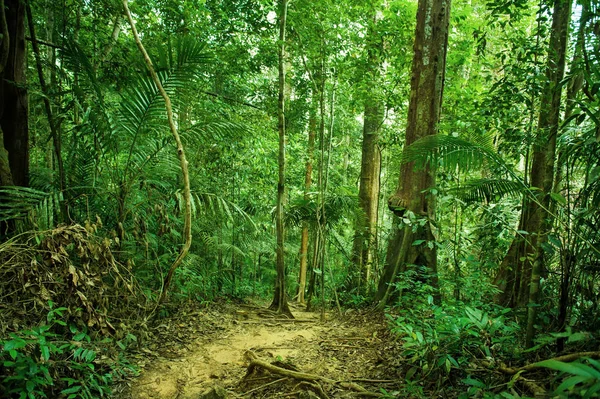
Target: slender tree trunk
{"points": [[368, 195], [279, 303], [13, 96], [187, 227], [544, 154], [412, 199], [312, 130]]}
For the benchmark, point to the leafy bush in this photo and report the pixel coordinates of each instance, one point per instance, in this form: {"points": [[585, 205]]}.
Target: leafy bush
{"points": [[441, 338], [579, 379], [39, 362]]}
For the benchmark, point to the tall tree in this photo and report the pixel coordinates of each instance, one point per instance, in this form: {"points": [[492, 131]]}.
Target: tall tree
{"points": [[312, 131], [516, 273], [414, 242], [13, 95], [364, 245], [279, 303], [544, 154]]}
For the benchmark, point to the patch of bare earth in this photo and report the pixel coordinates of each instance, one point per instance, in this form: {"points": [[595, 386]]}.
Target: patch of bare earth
{"points": [[249, 352]]}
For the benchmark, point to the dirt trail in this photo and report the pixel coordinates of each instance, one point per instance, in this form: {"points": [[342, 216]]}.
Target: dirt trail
{"points": [[339, 348]]}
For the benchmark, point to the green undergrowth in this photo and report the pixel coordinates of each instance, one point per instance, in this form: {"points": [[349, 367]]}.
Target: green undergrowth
{"points": [[456, 349], [59, 359]]}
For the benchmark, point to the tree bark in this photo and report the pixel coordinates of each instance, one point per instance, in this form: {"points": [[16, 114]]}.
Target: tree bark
{"points": [[312, 131], [412, 200], [365, 235], [13, 96], [279, 303]]}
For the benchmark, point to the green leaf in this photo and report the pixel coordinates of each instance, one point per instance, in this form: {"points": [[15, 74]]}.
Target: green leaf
{"points": [[79, 337], [474, 383], [570, 368], [558, 198], [570, 383], [73, 389], [45, 353], [418, 242]]}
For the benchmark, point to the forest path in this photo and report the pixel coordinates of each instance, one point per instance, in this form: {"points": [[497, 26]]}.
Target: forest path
{"points": [[340, 348]]}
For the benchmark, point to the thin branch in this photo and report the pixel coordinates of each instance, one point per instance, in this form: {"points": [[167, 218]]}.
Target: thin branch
{"points": [[43, 43]]}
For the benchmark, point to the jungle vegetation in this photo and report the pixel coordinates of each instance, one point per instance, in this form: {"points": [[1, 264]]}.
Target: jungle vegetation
{"points": [[435, 161]]}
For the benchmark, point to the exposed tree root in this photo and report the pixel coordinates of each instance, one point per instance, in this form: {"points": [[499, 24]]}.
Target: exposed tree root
{"points": [[254, 362]]}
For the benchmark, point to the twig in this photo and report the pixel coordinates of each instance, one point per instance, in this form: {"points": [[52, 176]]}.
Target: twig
{"points": [[375, 381]]}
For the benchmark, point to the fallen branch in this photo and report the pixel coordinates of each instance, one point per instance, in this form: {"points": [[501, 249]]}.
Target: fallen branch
{"points": [[530, 385], [535, 366], [298, 375]]}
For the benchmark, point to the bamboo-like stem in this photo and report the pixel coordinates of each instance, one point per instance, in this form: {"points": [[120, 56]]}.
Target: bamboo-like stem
{"points": [[187, 228]]}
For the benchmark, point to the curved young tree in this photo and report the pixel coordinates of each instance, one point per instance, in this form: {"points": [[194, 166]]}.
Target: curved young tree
{"points": [[413, 242]]}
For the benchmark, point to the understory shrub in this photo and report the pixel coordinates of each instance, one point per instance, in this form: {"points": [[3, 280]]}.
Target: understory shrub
{"points": [[58, 359]]}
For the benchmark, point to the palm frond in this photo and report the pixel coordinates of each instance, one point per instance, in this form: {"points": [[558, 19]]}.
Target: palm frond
{"points": [[221, 130], [453, 152], [17, 203], [336, 206], [207, 204], [479, 190]]}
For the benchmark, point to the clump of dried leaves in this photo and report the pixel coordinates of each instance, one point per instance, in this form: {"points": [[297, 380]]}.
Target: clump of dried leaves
{"points": [[72, 267]]}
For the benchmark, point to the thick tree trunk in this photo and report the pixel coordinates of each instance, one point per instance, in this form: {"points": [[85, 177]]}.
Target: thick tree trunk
{"points": [[279, 303], [13, 96], [542, 173], [312, 131], [412, 200], [365, 236]]}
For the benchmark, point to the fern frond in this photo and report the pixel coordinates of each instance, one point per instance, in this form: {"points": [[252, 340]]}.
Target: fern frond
{"points": [[452, 152]]}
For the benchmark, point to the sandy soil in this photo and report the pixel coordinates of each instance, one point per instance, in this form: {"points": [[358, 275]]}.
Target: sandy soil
{"points": [[340, 348]]}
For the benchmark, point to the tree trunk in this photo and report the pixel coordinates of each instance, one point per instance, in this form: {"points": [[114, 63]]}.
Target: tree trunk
{"points": [[279, 303], [13, 96], [544, 154], [368, 195], [412, 200], [312, 130]]}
